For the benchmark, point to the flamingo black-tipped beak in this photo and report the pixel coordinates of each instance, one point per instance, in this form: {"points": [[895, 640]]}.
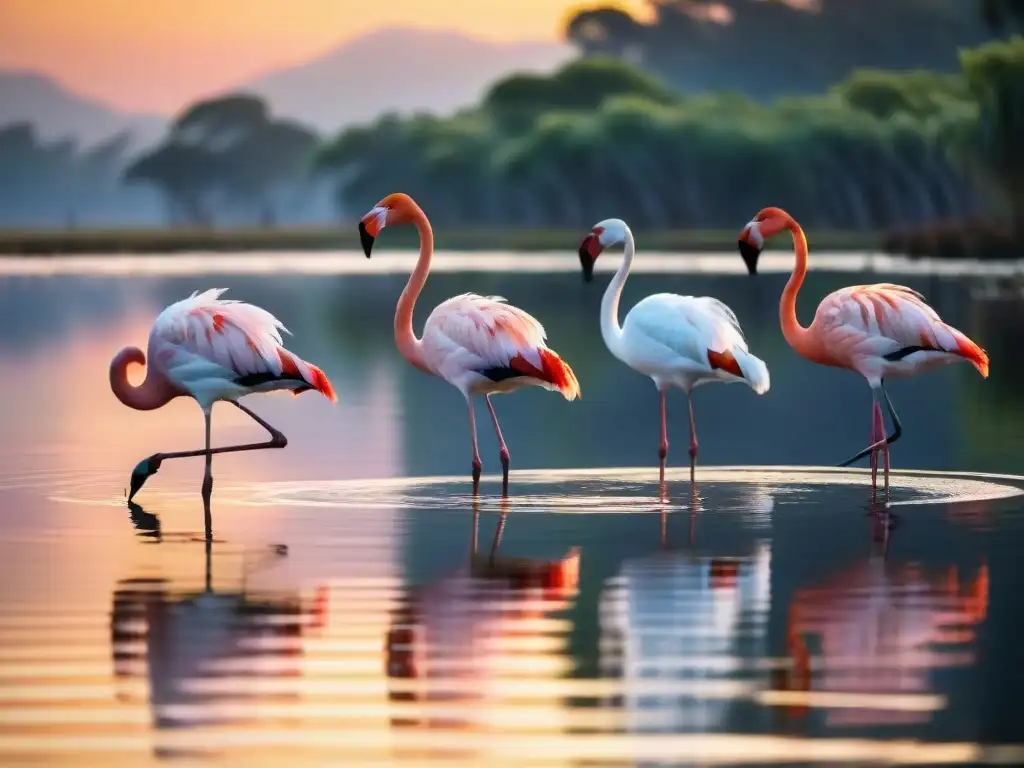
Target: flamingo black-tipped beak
{"points": [[141, 474], [590, 249], [750, 254], [136, 483], [365, 238], [587, 264]]}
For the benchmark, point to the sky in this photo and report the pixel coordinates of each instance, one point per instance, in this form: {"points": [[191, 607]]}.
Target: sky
{"points": [[154, 55]]}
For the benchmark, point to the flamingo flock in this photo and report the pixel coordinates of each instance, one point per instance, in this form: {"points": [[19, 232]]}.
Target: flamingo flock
{"points": [[217, 350]]}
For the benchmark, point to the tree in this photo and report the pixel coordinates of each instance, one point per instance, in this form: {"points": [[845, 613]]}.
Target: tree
{"points": [[599, 138], [57, 183], [227, 152], [1004, 17], [767, 48], [187, 176], [995, 76]]}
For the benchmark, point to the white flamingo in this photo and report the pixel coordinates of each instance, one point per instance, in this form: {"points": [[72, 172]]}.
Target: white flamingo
{"points": [[679, 341]]}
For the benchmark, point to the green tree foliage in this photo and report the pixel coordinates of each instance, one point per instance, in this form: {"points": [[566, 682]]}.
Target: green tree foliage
{"points": [[995, 77], [1003, 16], [227, 153], [599, 138], [768, 48]]}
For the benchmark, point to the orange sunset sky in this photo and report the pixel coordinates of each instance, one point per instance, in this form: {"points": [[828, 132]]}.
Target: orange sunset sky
{"points": [[155, 55]]}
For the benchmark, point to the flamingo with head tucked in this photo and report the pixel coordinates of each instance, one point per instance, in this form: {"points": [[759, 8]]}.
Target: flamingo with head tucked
{"points": [[679, 341], [212, 349], [478, 344], [879, 331]]}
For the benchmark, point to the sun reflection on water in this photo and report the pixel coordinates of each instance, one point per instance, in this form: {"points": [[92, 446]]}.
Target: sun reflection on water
{"points": [[256, 654]]}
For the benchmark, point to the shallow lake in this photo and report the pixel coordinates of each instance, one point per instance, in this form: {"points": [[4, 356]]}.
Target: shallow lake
{"points": [[359, 607]]}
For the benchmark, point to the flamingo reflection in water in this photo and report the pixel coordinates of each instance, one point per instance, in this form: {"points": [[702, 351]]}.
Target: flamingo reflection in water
{"points": [[476, 637], [176, 633], [676, 627], [877, 623]]}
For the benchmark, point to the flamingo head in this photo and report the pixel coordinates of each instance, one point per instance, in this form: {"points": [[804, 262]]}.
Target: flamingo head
{"points": [[396, 208], [767, 223], [605, 233], [141, 473]]}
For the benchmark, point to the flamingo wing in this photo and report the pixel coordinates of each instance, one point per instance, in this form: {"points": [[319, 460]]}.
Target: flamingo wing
{"points": [[699, 332], [891, 322], [483, 335], [204, 339]]}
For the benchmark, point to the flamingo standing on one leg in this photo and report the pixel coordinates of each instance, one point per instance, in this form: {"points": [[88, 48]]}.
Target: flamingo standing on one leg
{"points": [[679, 341], [212, 349], [478, 344], [879, 331]]}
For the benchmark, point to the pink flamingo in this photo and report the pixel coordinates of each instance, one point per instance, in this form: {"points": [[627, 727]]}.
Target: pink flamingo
{"points": [[478, 344], [212, 349], [879, 331]]}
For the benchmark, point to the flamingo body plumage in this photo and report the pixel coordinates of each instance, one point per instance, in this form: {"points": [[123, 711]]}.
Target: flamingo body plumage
{"points": [[880, 331], [678, 341], [212, 349], [686, 341], [479, 344], [887, 331], [221, 349], [482, 346]]}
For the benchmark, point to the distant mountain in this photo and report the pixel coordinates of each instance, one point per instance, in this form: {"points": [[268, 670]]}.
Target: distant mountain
{"points": [[60, 114], [401, 70]]}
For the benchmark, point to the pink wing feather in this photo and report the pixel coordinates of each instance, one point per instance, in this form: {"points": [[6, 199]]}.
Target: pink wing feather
{"points": [[242, 338], [485, 332], [884, 318]]}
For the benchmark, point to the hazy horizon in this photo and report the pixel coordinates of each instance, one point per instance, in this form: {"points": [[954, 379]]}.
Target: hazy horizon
{"points": [[157, 56]]}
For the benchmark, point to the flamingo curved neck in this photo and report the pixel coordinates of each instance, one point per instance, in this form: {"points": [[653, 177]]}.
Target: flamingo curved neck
{"points": [[795, 334], [405, 338], [154, 392], [611, 331]]}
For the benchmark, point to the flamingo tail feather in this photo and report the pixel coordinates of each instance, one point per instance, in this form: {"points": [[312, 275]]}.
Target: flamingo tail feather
{"points": [[970, 351]]}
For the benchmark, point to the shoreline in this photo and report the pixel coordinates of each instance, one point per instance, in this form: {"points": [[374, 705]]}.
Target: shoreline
{"points": [[135, 242], [389, 261]]}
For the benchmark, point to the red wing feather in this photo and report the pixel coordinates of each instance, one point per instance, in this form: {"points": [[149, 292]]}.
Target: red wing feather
{"points": [[554, 371], [724, 361]]}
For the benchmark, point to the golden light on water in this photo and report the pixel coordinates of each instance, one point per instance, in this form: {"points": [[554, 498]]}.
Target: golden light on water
{"points": [[136, 649]]}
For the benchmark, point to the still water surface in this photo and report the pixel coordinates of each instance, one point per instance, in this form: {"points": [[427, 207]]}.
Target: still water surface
{"points": [[359, 607]]}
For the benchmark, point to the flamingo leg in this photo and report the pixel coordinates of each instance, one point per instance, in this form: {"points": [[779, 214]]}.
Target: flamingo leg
{"points": [[663, 448], [877, 435], [149, 466], [693, 439], [883, 450], [502, 448], [883, 444], [208, 479], [477, 464]]}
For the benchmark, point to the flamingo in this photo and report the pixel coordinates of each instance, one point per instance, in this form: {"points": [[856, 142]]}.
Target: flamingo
{"points": [[478, 344], [879, 331], [679, 341], [211, 349]]}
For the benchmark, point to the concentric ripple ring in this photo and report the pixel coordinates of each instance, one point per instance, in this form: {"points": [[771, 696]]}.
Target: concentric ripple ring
{"points": [[622, 489]]}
